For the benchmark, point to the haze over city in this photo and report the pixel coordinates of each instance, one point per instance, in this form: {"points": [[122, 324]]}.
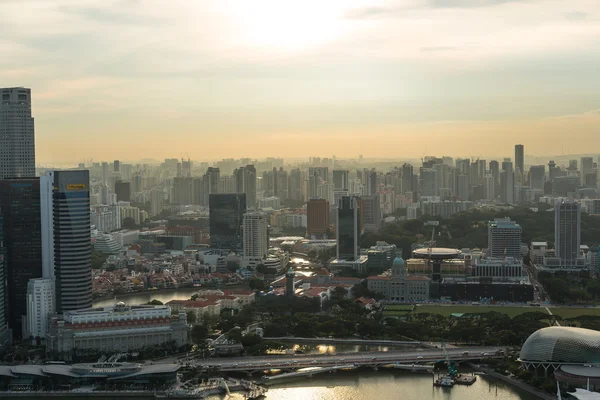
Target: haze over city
{"points": [[133, 80]]}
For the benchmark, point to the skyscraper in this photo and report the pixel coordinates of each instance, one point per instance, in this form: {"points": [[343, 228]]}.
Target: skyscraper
{"points": [[520, 158], [504, 238], [5, 335], [407, 178], [20, 208], [340, 179], [226, 214], [317, 217], [17, 137], [123, 191], [370, 182], [587, 167], [348, 228], [256, 237], [371, 212], [507, 182], [245, 182], [66, 237], [567, 232], [537, 177]]}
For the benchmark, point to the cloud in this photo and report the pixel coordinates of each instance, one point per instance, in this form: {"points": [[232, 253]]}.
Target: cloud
{"points": [[470, 3], [576, 15]]}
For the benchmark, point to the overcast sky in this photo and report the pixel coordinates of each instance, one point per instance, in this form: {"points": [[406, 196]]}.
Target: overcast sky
{"points": [[139, 79]]}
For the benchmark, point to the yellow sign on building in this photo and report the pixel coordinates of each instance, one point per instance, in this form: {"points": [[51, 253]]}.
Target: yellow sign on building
{"points": [[77, 186]]}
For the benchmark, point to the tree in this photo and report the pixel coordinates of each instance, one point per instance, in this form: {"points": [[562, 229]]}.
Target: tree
{"points": [[199, 333], [232, 266], [128, 223], [257, 284], [155, 302], [191, 317]]}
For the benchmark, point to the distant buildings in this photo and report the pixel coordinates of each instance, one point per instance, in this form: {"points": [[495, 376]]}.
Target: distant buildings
{"points": [[17, 140], [226, 214]]}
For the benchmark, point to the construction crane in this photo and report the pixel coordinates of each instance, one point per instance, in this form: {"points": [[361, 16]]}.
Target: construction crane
{"points": [[452, 369]]}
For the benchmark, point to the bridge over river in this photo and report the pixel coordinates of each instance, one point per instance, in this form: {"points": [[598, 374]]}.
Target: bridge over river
{"points": [[373, 359]]}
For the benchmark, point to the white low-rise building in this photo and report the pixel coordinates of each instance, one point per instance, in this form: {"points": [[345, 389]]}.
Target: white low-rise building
{"points": [[118, 328]]}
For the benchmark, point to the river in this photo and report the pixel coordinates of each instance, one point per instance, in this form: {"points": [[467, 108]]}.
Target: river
{"points": [[386, 385]]}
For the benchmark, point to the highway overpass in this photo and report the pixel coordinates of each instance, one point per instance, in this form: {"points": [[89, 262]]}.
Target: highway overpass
{"points": [[374, 359]]}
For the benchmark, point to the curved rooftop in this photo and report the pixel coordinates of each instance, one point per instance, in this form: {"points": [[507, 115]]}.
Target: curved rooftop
{"points": [[436, 252], [399, 262], [562, 344]]}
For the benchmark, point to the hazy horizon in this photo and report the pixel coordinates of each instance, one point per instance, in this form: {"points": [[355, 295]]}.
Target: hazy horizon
{"points": [[387, 79]]}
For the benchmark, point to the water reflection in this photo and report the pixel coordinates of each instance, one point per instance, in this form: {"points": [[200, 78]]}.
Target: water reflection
{"points": [[384, 385]]}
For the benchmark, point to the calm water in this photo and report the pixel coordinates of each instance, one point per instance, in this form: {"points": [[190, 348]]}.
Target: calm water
{"points": [[386, 385]]}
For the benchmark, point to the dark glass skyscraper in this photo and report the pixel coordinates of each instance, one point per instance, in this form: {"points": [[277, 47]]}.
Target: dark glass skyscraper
{"points": [[67, 237], [348, 228], [226, 216], [4, 332], [20, 208]]}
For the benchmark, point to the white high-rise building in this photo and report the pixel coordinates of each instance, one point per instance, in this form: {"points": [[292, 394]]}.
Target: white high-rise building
{"points": [[157, 198], [40, 305], [567, 232], [256, 237], [17, 136]]}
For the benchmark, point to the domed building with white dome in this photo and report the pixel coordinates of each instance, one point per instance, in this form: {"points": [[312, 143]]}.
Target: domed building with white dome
{"points": [[395, 285]]}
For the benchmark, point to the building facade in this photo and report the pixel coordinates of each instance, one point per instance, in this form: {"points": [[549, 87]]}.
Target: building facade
{"points": [[20, 208], [504, 238], [5, 333], [40, 305], [398, 286], [567, 232], [348, 228], [256, 237], [17, 136], [317, 217], [226, 214], [118, 328], [66, 237]]}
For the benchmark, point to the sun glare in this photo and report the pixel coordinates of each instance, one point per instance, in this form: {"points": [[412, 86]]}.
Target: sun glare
{"points": [[288, 26]]}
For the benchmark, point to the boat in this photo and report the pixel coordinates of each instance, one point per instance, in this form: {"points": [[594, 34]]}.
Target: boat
{"points": [[444, 381]]}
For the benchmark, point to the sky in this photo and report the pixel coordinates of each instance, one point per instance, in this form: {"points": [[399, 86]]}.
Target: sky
{"points": [[140, 79]]}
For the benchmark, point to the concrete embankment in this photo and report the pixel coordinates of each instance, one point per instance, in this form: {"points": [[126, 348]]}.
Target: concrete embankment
{"points": [[513, 382]]}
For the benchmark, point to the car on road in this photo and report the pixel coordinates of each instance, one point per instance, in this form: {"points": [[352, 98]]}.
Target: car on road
{"points": [[374, 358], [420, 358]]}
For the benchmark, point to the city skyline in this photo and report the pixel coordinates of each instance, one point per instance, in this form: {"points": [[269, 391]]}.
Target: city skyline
{"points": [[241, 79]]}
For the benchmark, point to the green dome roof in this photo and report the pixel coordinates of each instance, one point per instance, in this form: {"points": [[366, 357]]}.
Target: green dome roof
{"points": [[398, 262]]}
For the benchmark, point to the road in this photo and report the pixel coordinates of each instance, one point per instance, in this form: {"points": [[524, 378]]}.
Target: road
{"points": [[372, 342], [368, 358]]}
